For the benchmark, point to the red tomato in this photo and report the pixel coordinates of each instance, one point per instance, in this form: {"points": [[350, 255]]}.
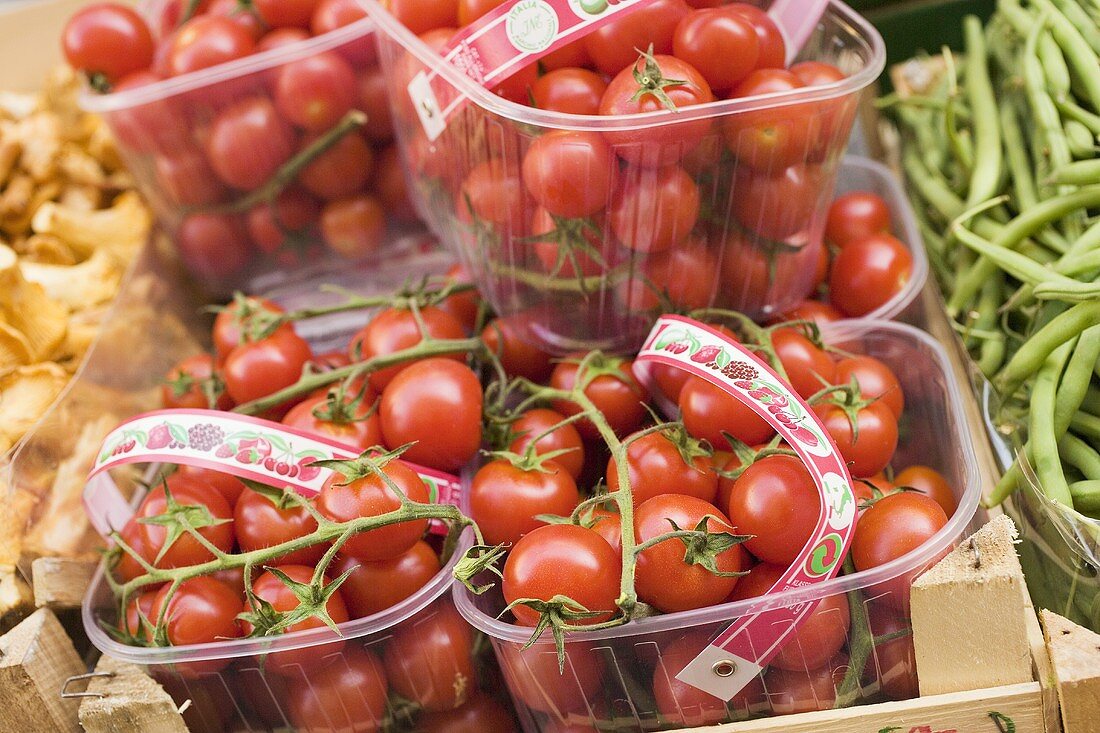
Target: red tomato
{"points": [[856, 215], [187, 180], [479, 714], [809, 368], [892, 527], [354, 227], [931, 483], [208, 40], [107, 39], [607, 523], [281, 37], [614, 47], [332, 14], [708, 411], [817, 73], [655, 209], [436, 403], [505, 499], [571, 55], [723, 46], [822, 634], [395, 329], [461, 306], [359, 428], [656, 465], [127, 567], [260, 523], [246, 18], [375, 586], [494, 194], [670, 380], [370, 496], [183, 386], [228, 485], [286, 13], [875, 379], [773, 51], [153, 127], [471, 10], [138, 618], [374, 102], [569, 173], [683, 277], [421, 16], [893, 663], [259, 368], [867, 273], [614, 391], [534, 679], [805, 691], [184, 549], [868, 446], [569, 90], [776, 500], [213, 246], [201, 610], [563, 560], [779, 206], [568, 247], [316, 91], [391, 188], [292, 212], [772, 138], [342, 170], [504, 337], [538, 424], [656, 146], [428, 659], [664, 578], [814, 311], [685, 705], [247, 312], [248, 142], [761, 578], [348, 696]]}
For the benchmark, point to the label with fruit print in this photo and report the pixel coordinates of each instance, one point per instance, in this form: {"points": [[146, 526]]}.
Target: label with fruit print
{"points": [[502, 42], [246, 447], [741, 651]]}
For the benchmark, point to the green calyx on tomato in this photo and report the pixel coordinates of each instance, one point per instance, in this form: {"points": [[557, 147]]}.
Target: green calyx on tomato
{"points": [[596, 364], [702, 546], [848, 398], [651, 80], [313, 602], [342, 408], [369, 463], [180, 519], [252, 318]]}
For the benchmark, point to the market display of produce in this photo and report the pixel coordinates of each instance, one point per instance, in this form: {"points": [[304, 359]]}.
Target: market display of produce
{"points": [[556, 370]]}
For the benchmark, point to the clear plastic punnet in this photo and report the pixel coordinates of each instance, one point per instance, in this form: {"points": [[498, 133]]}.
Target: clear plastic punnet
{"points": [[625, 678], [249, 179], [722, 203]]}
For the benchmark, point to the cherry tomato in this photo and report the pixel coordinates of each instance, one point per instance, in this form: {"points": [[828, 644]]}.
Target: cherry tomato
{"points": [[153, 127], [228, 485], [238, 313], [292, 212], [817, 73], [421, 16], [892, 527], [539, 420], [670, 380], [708, 411], [391, 187], [260, 523], [723, 46], [286, 13], [479, 714], [258, 368], [614, 46], [348, 696], [534, 679], [868, 446], [342, 170], [370, 496], [686, 705], [805, 691], [200, 611], [127, 567], [833, 116], [354, 227], [517, 87], [664, 578], [607, 523], [656, 146], [248, 141], [893, 663], [359, 428], [773, 51], [779, 206], [281, 37], [682, 277], [314, 92], [655, 209], [820, 636], [329, 15], [761, 578], [138, 618], [503, 336], [569, 90], [769, 139], [856, 215], [867, 273], [875, 379], [187, 180], [776, 500], [931, 483], [566, 247], [505, 499], [569, 173], [461, 306], [814, 311], [246, 18], [809, 368], [184, 549], [205, 41], [436, 403], [107, 39], [471, 10], [213, 246], [563, 560], [183, 386], [614, 391], [428, 660], [395, 329], [494, 194], [375, 586], [656, 466]]}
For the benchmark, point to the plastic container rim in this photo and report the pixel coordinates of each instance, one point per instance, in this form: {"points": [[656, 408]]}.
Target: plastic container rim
{"points": [[869, 36], [246, 647], [968, 504]]}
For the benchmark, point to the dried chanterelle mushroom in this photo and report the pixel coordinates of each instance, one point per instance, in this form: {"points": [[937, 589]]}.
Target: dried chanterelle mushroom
{"points": [[69, 228]]}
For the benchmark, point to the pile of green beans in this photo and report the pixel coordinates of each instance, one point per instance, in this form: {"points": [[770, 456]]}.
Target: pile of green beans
{"points": [[1001, 152]]}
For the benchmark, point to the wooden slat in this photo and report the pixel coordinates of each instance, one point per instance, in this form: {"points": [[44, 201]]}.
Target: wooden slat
{"points": [[36, 657], [127, 701], [60, 582], [1075, 658]]}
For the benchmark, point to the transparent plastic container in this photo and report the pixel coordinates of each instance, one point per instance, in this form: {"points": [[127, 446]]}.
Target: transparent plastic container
{"points": [[214, 152], [863, 174], [622, 676], [693, 208]]}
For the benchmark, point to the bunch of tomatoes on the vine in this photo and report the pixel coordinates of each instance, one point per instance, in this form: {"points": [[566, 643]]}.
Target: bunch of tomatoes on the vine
{"points": [[257, 167]]}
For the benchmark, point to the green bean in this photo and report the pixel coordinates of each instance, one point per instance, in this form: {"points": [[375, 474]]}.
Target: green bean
{"points": [[931, 145], [1091, 403], [1086, 496], [986, 171], [1071, 292], [1086, 425], [991, 352], [1046, 212], [1079, 114], [1082, 145], [1085, 25], [932, 188], [1075, 380], [1088, 241], [1079, 55], [1041, 429], [1032, 353], [1080, 455], [1084, 264], [1079, 173], [1019, 167], [1054, 64]]}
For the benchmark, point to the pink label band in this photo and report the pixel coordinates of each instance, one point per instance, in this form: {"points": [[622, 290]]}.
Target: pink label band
{"points": [[503, 41], [246, 447], [741, 651]]}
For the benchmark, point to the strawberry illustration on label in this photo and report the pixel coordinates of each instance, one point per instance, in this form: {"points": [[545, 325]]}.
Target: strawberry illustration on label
{"points": [[706, 354], [159, 437]]}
